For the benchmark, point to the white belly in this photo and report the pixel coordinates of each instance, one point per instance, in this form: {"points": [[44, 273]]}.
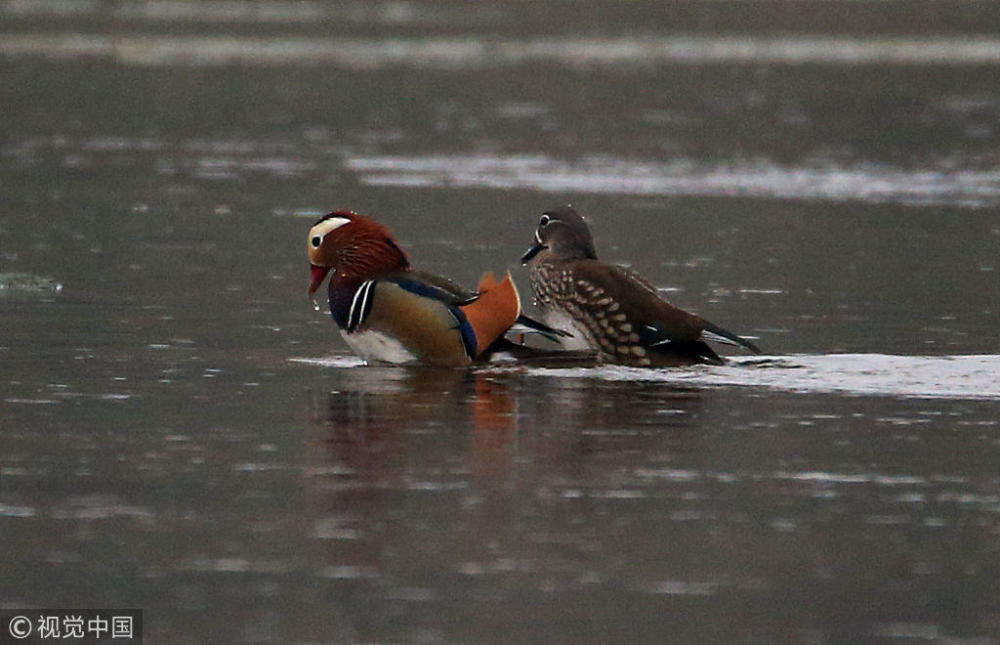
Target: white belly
{"points": [[378, 347], [579, 341]]}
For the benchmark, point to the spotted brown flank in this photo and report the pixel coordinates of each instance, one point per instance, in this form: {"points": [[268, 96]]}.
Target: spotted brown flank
{"points": [[611, 309], [597, 316]]}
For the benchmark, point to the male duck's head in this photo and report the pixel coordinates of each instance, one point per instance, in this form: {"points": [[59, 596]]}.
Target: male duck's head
{"points": [[562, 234], [353, 246]]}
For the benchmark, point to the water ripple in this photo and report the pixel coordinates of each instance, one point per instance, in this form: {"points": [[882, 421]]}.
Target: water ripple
{"points": [[273, 12], [28, 284], [475, 53], [750, 179]]}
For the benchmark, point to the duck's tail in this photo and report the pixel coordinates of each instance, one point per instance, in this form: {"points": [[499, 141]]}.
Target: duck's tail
{"points": [[720, 335]]}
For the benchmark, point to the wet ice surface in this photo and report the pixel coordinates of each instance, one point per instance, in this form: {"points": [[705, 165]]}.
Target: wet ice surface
{"points": [[180, 430], [971, 377], [961, 377]]}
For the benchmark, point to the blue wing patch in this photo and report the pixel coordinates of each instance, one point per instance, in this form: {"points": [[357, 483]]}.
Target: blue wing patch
{"points": [[425, 290]]}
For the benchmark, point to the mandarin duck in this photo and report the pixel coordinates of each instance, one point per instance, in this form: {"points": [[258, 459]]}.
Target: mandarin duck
{"points": [[387, 312], [611, 309]]}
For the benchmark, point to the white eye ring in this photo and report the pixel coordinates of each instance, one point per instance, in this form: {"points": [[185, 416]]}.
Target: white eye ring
{"points": [[316, 241], [544, 221]]}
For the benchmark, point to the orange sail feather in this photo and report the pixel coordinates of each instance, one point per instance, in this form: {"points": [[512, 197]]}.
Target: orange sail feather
{"points": [[494, 311]]}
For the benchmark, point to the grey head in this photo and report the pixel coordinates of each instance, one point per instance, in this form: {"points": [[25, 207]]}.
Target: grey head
{"points": [[562, 234]]}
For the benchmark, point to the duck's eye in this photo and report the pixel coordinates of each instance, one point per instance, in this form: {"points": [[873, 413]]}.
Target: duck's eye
{"points": [[316, 241], [544, 221]]}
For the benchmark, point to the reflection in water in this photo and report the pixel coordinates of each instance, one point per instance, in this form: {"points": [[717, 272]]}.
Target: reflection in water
{"points": [[445, 485], [494, 426], [368, 425], [502, 491], [370, 416]]}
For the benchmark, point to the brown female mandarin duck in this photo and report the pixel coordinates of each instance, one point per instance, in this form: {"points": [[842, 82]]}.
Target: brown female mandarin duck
{"points": [[610, 309], [387, 312]]}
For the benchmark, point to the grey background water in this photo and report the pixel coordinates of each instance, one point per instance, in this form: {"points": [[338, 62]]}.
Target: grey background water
{"points": [[181, 432]]}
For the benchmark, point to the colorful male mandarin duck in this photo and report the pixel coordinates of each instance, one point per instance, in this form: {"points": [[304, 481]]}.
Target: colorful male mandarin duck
{"points": [[389, 313], [610, 309]]}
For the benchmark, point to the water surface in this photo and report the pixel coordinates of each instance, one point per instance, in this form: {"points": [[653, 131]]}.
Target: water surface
{"points": [[181, 431]]}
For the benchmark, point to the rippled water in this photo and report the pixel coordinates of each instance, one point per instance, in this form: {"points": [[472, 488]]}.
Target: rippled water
{"points": [[181, 431], [489, 53], [757, 179]]}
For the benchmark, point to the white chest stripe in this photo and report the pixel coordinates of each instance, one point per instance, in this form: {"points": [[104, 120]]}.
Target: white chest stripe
{"points": [[360, 305]]}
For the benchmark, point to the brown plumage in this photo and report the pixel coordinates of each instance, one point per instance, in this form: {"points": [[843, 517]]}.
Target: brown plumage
{"points": [[611, 309], [387, 312]]}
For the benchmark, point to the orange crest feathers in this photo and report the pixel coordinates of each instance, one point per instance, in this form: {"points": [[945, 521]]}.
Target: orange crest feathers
{"points": [[354, 245]]}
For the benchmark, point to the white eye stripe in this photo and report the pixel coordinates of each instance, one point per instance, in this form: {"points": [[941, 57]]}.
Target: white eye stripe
{"points": [[325, 227]]}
